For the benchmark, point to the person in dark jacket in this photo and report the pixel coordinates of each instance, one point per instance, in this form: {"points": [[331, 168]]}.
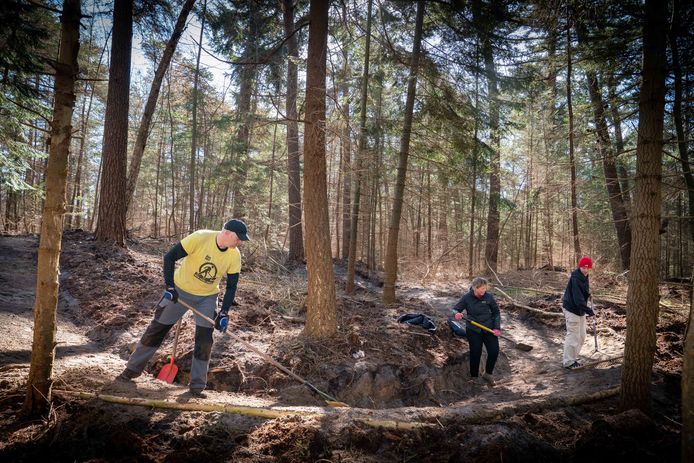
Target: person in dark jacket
{"points": [[575, 304], [481, 308]]}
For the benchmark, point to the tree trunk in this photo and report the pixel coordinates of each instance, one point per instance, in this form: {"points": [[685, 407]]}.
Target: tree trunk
{"points": [[172, 217], [677, 114], [549, 136], [352, 257], [296, 240], [73, 215], [572, 158], [529, 196], [272, 182], [618, 138], [151, 104], [473, 182], [642, 296], [688, 386], [391, 261], [110, 226], [155, 214], [614, 190], [243, 138], [491, 251], [321, 315], [39, 383], [192, 222], [346, 159]]}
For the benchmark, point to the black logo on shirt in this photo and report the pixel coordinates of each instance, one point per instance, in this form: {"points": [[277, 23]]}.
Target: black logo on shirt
{"points": [[207, 273]]}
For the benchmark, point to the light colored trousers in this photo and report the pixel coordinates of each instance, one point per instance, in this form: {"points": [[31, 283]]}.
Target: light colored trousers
{"points": [[575, 336]]}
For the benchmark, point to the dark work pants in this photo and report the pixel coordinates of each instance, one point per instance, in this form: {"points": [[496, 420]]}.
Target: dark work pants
{"points": [[476, 340], [164, 319]]}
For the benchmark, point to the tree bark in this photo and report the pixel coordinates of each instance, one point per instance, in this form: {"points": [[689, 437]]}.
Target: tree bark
{"points": [[572, 157], [491, 250], [296, 240], [321, 314], [155, 213], [473, 183], [110, 226], [346, 145], [677, 114], [151, 104], [614, 190], [352, 257], [642, 295], [688, 387], [40, 382], [391, 261], [619, 139], [549, 136], [272, 182], [245, 104], [192, 222]]}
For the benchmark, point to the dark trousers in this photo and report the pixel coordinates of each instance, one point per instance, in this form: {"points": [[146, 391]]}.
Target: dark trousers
{"points": [[476, 340]]}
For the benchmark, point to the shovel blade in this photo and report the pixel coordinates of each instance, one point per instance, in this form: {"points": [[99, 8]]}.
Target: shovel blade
{"points": [[168, 372], [524, 347]]}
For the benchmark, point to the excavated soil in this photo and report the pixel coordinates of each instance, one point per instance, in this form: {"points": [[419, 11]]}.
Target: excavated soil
{"points": [[387, 372]]}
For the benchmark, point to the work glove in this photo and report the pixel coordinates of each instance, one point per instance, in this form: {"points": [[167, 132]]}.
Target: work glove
{"points": [[458, 316], [171, 294], [497, 333], [221, 321], [167, 298]]}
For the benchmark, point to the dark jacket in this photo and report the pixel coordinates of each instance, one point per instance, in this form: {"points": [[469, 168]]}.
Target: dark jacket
{"points": [[577, 293], [483, 310]]}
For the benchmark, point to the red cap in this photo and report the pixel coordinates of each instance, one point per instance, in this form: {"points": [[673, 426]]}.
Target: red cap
{"points": [[585, 262]]}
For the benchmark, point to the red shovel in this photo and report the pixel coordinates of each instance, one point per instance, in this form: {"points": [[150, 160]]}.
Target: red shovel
{"points": [[168, 372]]}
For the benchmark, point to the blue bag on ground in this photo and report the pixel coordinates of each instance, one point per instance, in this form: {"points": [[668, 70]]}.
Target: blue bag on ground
{"points": [[418, 319], [457, 328]]}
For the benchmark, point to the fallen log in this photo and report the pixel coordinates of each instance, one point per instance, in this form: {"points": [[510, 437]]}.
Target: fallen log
{"points": [[531, 309], [408, 418], [485, 413], [260, 412]]}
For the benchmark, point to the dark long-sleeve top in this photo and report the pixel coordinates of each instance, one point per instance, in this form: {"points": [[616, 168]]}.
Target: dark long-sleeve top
{"points": [[577, 293], [177, 252], [484, 310]]}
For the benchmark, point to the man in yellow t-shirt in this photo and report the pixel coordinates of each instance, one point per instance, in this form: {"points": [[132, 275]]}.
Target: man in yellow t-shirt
{"points": [[206, 256]]}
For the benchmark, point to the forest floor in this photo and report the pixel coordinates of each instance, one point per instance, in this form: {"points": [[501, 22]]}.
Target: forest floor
{"points": [[409, 391]]}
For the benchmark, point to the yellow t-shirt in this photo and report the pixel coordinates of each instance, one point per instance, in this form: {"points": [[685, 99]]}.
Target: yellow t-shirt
{"points": [[205, 265]]}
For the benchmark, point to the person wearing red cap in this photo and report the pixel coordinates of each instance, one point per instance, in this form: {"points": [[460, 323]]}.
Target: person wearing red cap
{"points": [[575, 304]]}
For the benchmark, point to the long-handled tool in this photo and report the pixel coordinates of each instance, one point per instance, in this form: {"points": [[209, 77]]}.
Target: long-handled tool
{"points": [[517, 345], [595, 325], [329, 400], [169, 371]]}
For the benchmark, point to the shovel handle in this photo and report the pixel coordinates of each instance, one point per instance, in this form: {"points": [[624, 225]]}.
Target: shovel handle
{"points": [[175, 345], [478, 325], [266, 357]]}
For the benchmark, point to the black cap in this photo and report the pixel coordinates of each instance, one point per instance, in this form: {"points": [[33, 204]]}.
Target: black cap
{"points": [[237, 227]]}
